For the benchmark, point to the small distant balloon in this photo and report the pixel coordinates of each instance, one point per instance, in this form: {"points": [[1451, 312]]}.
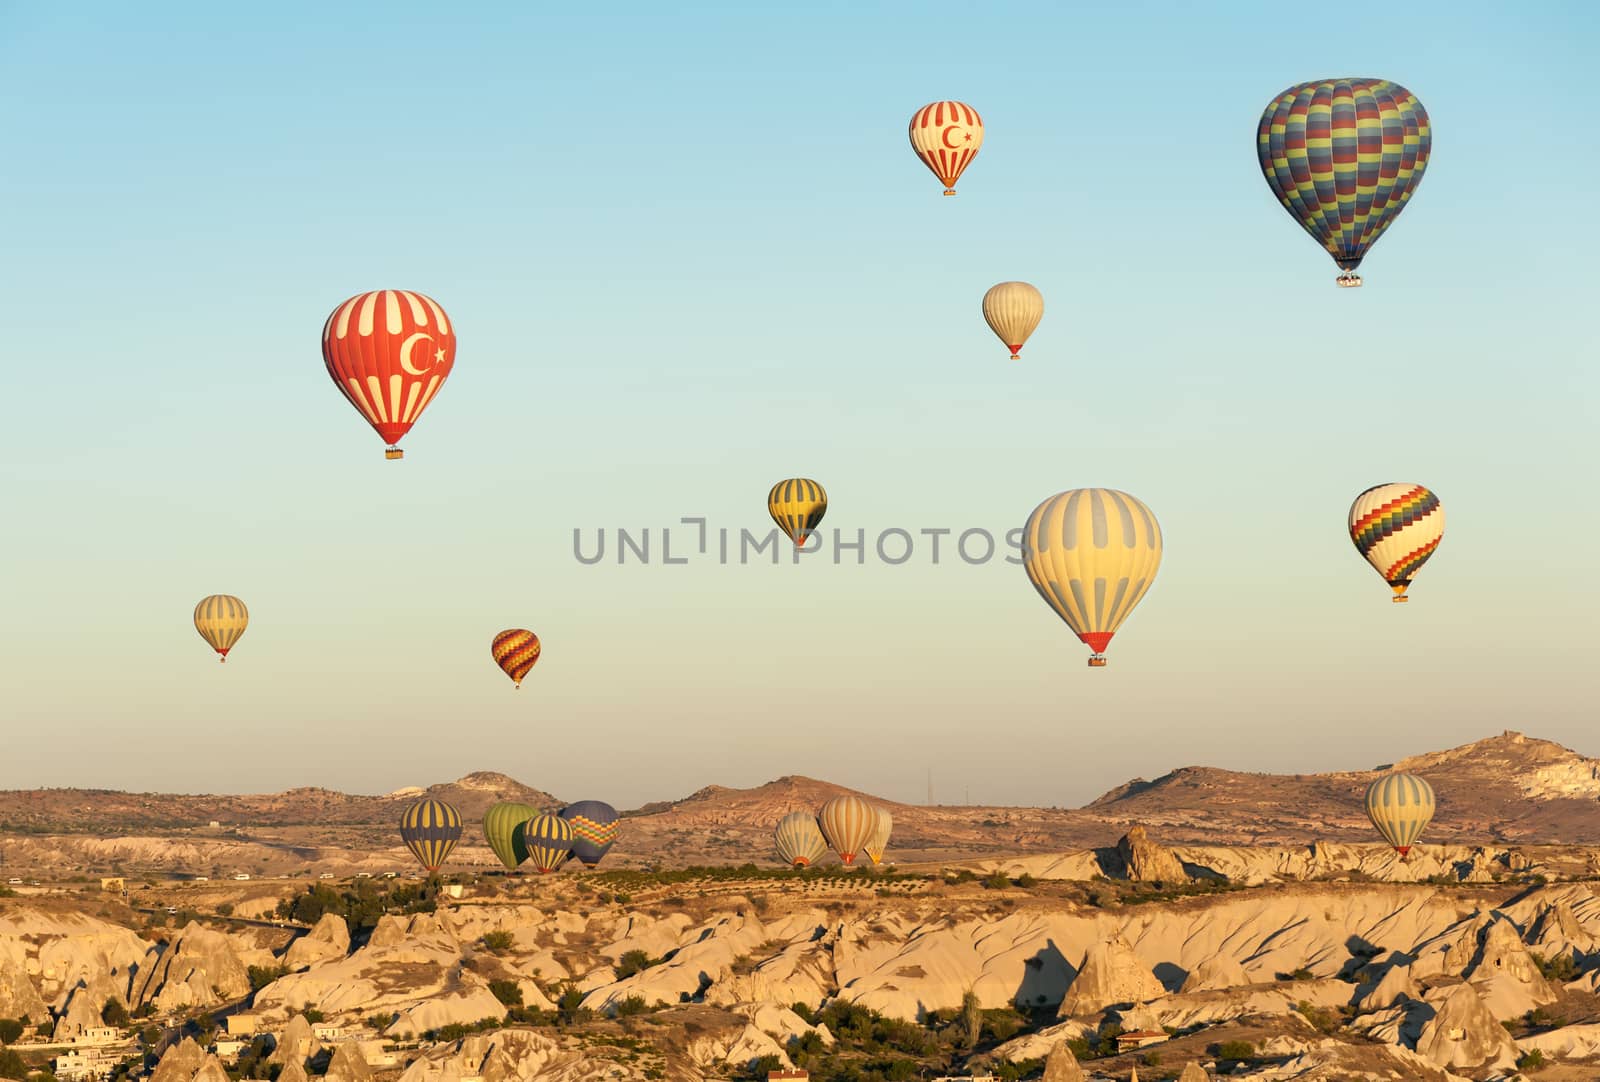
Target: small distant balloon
{"points": [[1013, 311], [549, 841], [878, 844], [595, 826], [221, 619], [797, 506], [430, 828], [1400, 807], [946, 135], [1397, 528], [515, 651], [798, 839]]}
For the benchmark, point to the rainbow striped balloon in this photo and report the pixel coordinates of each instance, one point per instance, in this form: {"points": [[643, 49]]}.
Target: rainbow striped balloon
{"points": [[515, 651], [1400, 806], [1397, 528]]}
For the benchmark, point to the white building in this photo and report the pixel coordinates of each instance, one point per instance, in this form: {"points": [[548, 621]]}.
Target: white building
{"points": [[98, 1035]]}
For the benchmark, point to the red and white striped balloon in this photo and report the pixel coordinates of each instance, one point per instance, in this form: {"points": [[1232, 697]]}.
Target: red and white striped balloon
{"points": [[389, 352], [946, 135]]}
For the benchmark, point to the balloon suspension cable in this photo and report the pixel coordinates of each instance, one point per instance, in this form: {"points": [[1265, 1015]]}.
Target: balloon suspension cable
{"points": [[1097, 661], [393, 453], [1349, 280]]}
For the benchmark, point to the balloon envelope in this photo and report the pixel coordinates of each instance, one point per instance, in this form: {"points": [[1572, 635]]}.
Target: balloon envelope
{"points": [[430, 828], [797, 506], [1013, 311], [1344, 157], [1397, 528], [221, 619], [883, 823], [946, 135], [799, 840], [595, 825], [549, 841], [1400, 806], [515, 651], [502, 827], [847, 822], [1092, 553], [389, 351]]}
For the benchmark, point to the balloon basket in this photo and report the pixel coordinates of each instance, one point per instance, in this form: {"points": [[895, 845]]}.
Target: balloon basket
{"points": [[1015, 356], [1097, 661], [1400, 599], [1349, 281], [949, 191], [393, 453]]}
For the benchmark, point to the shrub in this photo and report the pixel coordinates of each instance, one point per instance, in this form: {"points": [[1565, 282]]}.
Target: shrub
{"points": [[634, 961], [498, 942], [1025, 881], [114, 1013], [632, 1005], [1560, 968], [225, 909], [261, 976], [313, 1015], [1235, 1050], [10, 1030], [997, 881], [507, 992], [1530, 1061], [11, 1065]]}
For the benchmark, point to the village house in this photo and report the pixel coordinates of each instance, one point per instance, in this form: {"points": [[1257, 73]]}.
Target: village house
{"points": [[94, 1035], [1139, 1038]]}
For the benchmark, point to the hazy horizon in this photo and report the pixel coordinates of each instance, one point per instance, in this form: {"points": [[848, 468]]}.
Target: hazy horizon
{"points": [[689, 253]]}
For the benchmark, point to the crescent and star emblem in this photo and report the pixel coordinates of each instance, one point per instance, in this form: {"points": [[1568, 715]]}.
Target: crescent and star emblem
{"points": [[944, 136], [405, 354]]}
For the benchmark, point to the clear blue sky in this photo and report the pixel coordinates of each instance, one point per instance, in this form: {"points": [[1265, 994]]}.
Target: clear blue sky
{"points": [[688, 253]]}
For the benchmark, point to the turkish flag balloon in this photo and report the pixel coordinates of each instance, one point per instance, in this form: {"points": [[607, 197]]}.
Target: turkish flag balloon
{"points": [[389, 352]]}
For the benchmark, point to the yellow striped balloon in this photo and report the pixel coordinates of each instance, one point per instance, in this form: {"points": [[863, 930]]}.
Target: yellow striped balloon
{"points": [[1013, 311], [549, 841], [797, 506], [430, 828], [221, 619], [515, 651], [1400, 806], [882, 825], [1092, 553], [1397, 528], [800, 843], [847, 823]]}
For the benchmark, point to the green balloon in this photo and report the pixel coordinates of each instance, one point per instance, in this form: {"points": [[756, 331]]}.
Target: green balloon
{"points": [[502, 825]]}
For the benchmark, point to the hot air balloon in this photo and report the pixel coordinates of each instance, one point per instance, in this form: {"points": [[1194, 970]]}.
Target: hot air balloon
{"points": [[389, 352], [797, 506], [1400, 806], [1396, 527], [502, 826], [549, 841], [946, 135], [1013, 310], [1092, 553], [1344, 157], [515, 651], [595, 825], [430, 828], [847, 822], [221, 619], [800, 842], [883, 823]]}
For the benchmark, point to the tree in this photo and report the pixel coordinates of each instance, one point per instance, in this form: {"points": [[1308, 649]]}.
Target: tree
{"points": [[971, 1020], [499, 941], [507, 992], [634, 961], [11, 1065], [114, 1013], [10, 1030]]}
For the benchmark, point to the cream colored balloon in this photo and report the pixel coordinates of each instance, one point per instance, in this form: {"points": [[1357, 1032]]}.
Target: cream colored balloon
{"points": [[1092, 553], [1013, 311]]}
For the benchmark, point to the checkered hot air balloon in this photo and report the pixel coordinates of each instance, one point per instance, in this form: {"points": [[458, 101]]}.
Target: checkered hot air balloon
{"points": [[389, 352], [1344, 157], [1401, 807], [430, 828], [221, 619], [1397, 528], [946, 135], [515, 651], [595, 826], [1092, 553], [797, 506]]}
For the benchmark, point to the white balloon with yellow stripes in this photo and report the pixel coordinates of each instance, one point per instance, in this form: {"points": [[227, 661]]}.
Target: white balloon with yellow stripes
{"points": [[1401, 807]]}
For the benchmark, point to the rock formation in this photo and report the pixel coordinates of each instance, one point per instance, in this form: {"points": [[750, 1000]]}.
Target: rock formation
{"points": [[1193, 1072], [1395, 985], [1216, 972], [188, 1062], [1505, 975], [1062, 1066], [329, 939], [347, 1064], [1463, 1032], [199, 968], [1143, 861], [1111, 973], [296, 1043]]}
